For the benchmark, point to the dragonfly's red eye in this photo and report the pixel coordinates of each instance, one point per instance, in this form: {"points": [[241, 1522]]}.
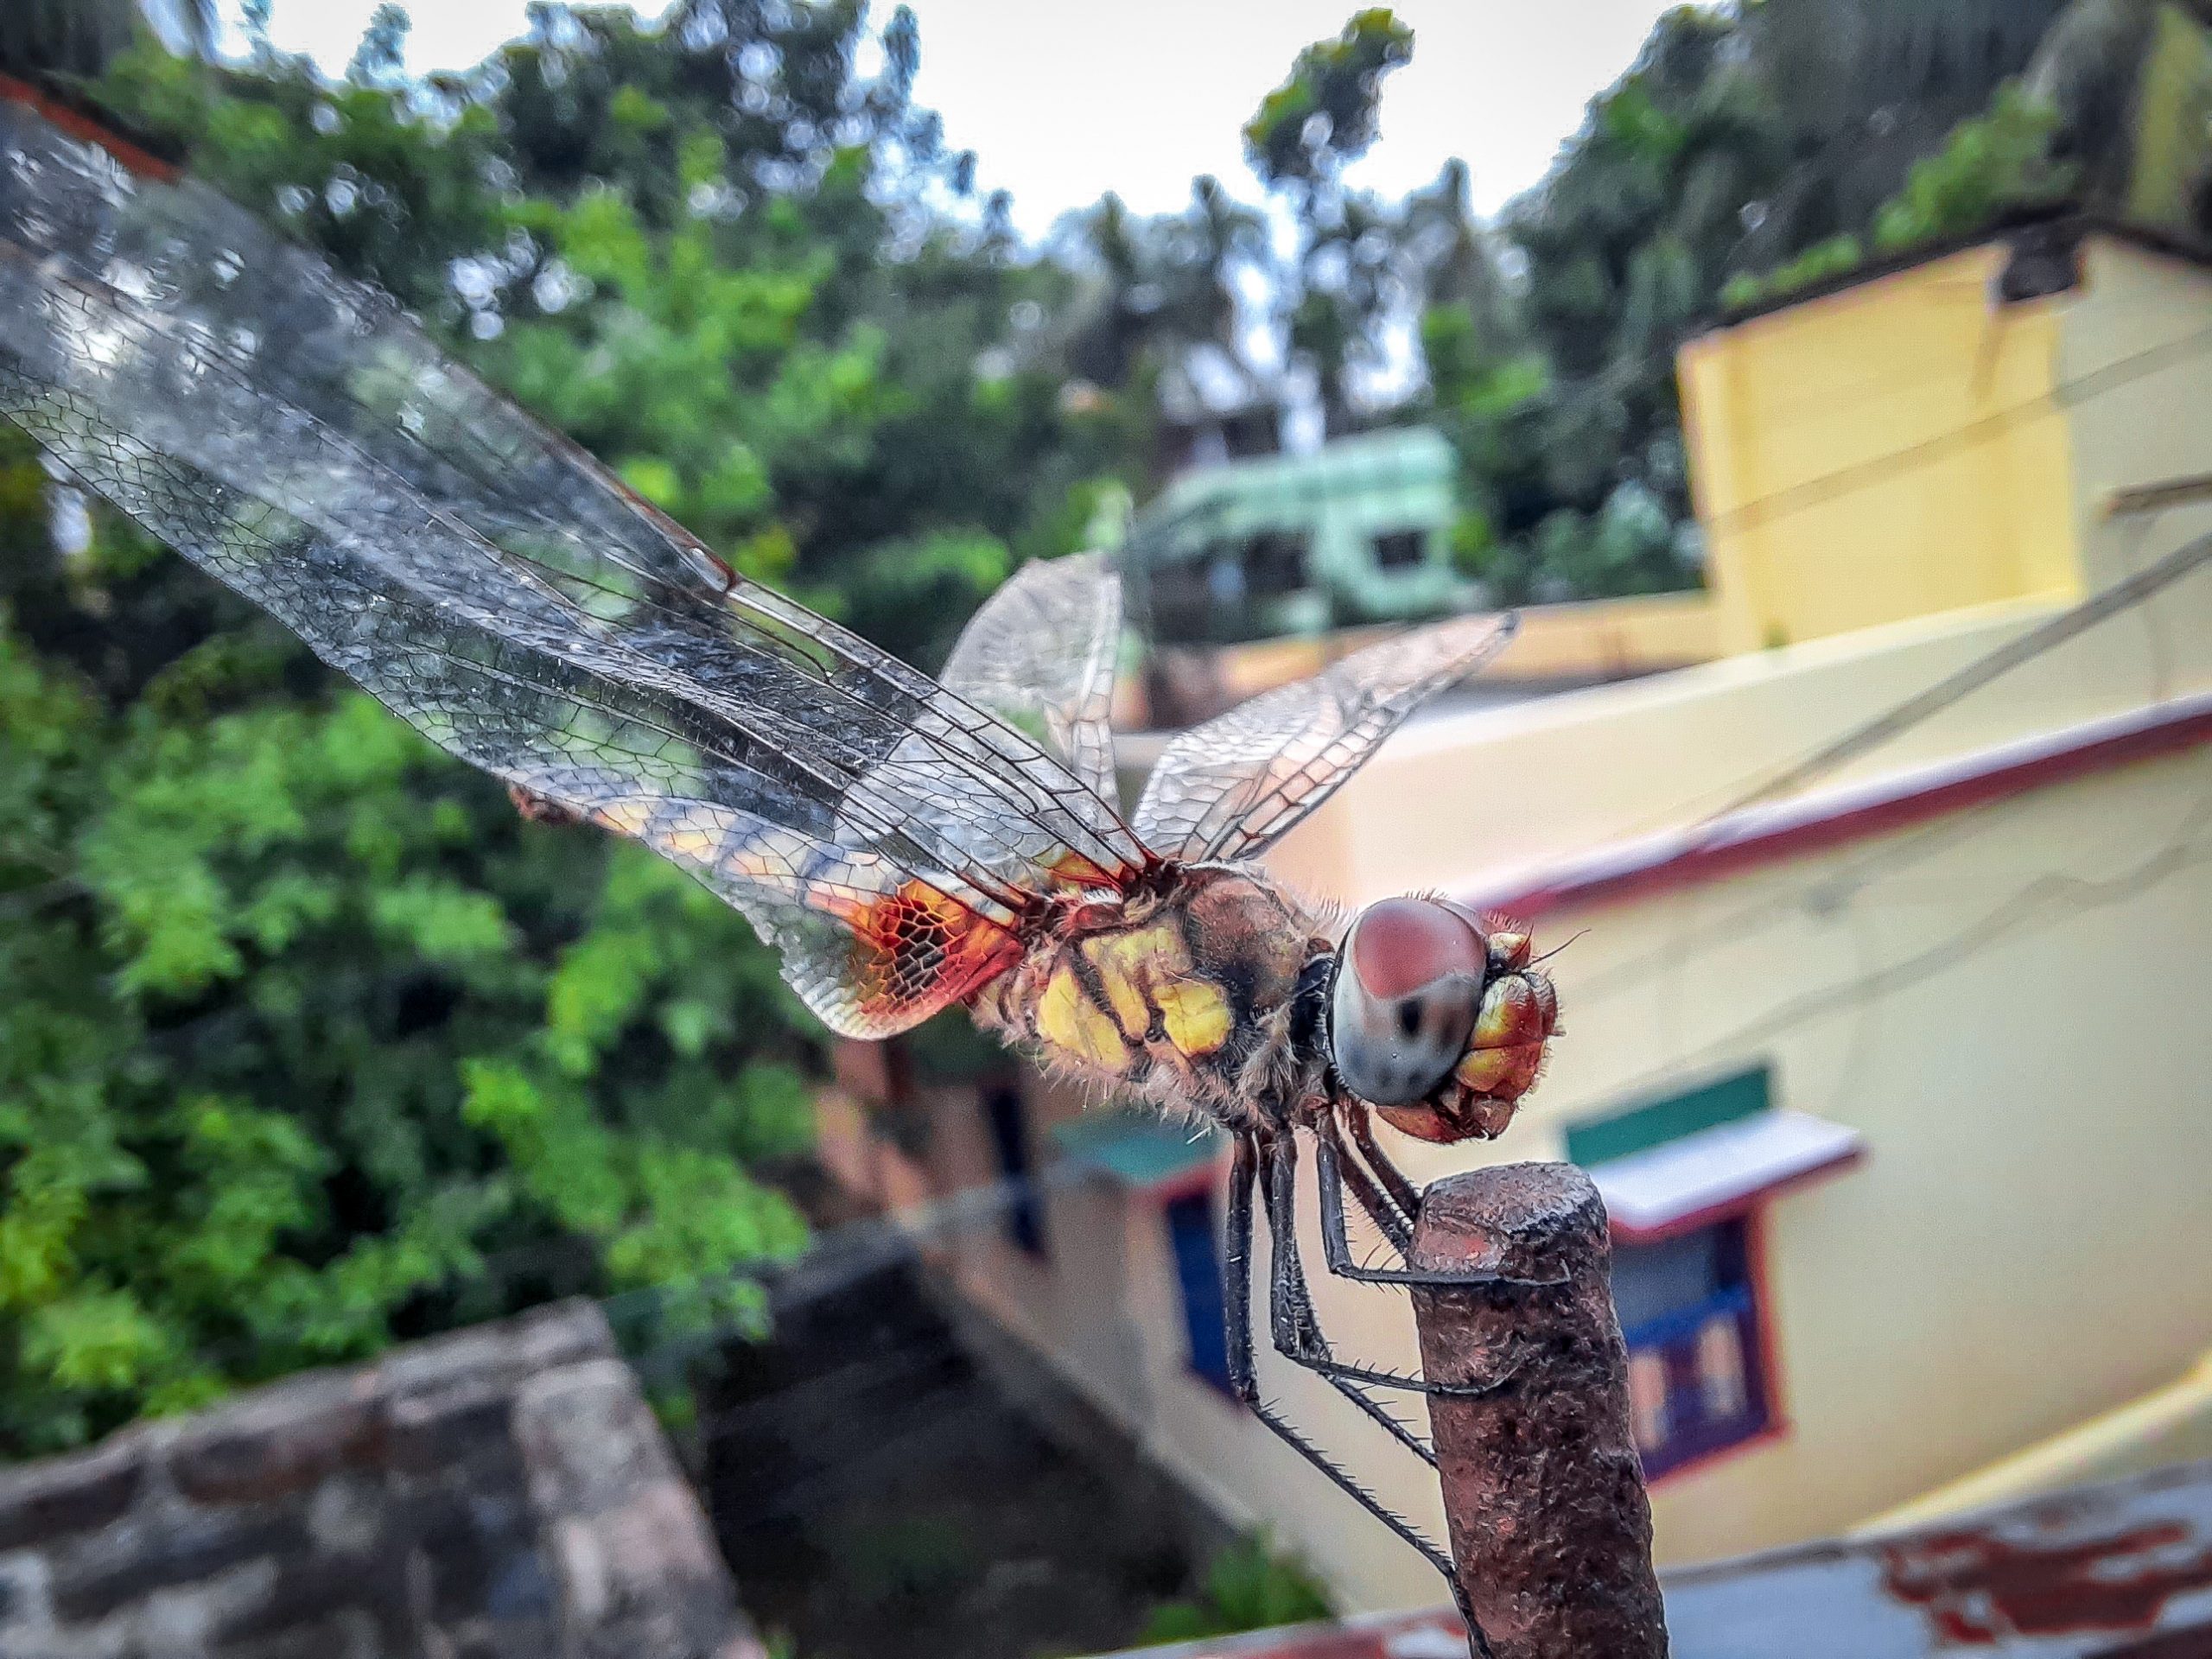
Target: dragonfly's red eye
{"points": [[1400, 945], [1405, 999]]}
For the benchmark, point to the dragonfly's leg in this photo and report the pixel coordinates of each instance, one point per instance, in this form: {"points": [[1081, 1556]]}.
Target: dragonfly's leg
{"points": [[1296, 1328], [1338, 1171], [1300, 1339], [1237, 1270], [1237, 1260], [1394, 1180], [1236, 1312], [1342, 1170]]}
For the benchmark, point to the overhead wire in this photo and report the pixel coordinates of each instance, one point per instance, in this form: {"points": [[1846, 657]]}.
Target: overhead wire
{"points": [[2076, 895], [2122, 596], [1871, 734], [1672, 962]]}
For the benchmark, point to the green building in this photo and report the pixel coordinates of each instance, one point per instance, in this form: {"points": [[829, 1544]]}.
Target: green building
{"points": [[1357, 531]]}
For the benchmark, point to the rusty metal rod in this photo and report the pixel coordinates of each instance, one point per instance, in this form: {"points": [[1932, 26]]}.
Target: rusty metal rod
{"points": [[1551, 1527]]}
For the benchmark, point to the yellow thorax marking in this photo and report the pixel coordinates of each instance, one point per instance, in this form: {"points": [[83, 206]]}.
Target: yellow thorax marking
{"points": [[1069, 1019], [1127, 964], [1195, 1013]]}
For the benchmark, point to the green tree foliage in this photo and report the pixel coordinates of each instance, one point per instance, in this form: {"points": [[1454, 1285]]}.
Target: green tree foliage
{"points": [[307, 1041], [1324, 116], [1992, 164], [1350, 263]]}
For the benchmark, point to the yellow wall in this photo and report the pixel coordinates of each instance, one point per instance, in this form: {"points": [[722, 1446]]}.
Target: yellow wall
{"points": [[1522, 786], [2170, 1426], [1889, 451], [1105, 1312], [2137, 349], [2007, 1004], [1611, 638]]}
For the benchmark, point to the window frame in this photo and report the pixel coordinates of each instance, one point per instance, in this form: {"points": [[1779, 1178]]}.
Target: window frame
{"points": [[1413, 536], [1203, 1328], [1014, 1152], [1761, 1358]]}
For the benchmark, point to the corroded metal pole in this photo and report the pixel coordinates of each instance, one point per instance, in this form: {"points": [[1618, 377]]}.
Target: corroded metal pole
{"points": [[1551, 1528]]}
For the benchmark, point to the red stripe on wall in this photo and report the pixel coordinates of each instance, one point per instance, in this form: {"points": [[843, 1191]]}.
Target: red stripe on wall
{"points": [[78, 125]]}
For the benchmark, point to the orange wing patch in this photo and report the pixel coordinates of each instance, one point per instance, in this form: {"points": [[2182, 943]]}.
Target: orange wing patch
{"points": [[918, 945], [900, 948]]}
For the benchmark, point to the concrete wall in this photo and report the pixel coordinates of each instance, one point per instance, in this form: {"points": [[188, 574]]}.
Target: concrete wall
{"points": [[499, 1494]]}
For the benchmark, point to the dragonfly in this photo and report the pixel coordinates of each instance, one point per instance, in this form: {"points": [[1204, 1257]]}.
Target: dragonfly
{"points": [[905, 843]]}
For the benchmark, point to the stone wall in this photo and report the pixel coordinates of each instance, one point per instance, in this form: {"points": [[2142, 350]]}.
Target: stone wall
{"points": [[501, 1493]]}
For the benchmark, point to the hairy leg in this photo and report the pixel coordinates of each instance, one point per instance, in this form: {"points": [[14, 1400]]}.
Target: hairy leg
{"points": [[1394, 1180], [1335, 1172], [1237, 1308], [1297, 1334]]}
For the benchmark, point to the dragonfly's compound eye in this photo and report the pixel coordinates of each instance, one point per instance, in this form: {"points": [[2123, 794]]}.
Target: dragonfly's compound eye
{"points": [[1408, 986]]}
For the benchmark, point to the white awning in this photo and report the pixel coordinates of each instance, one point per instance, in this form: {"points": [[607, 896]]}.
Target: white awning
{"points": [[1718, 1173]]}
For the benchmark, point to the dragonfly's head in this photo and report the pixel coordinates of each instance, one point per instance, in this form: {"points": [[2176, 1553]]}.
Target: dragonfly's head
{"points": [[1437, 1019]]}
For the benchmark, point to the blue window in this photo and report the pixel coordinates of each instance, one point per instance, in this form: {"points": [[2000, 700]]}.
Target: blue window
{"points": [[1191, 1235], [1689, 1309], [1009, 1127]]}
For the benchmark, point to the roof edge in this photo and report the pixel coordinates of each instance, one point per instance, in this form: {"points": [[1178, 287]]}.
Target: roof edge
{"points": [[76, 118], [1754, 836], [2062, 222]]}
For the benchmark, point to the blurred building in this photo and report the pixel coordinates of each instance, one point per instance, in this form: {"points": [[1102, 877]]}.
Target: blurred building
{"points": [[1268, 544], [1893, 1075]]}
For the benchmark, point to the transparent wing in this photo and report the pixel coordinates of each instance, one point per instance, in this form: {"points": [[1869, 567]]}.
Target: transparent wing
{"points": [[1230, 788], [1041, 656], [296, 436]]}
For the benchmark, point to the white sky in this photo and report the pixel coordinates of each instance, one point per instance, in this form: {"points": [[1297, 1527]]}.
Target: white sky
{"points": [[1063, 101]]}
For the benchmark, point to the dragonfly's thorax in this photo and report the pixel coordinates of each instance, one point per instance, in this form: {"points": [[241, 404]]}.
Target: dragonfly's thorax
{"points": [[1187, 992]]}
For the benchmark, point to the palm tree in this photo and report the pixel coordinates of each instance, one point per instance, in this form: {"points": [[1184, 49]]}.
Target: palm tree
{"points": [[1206, 245], [1352, 278], [1456, 259], [1116, 314]]}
